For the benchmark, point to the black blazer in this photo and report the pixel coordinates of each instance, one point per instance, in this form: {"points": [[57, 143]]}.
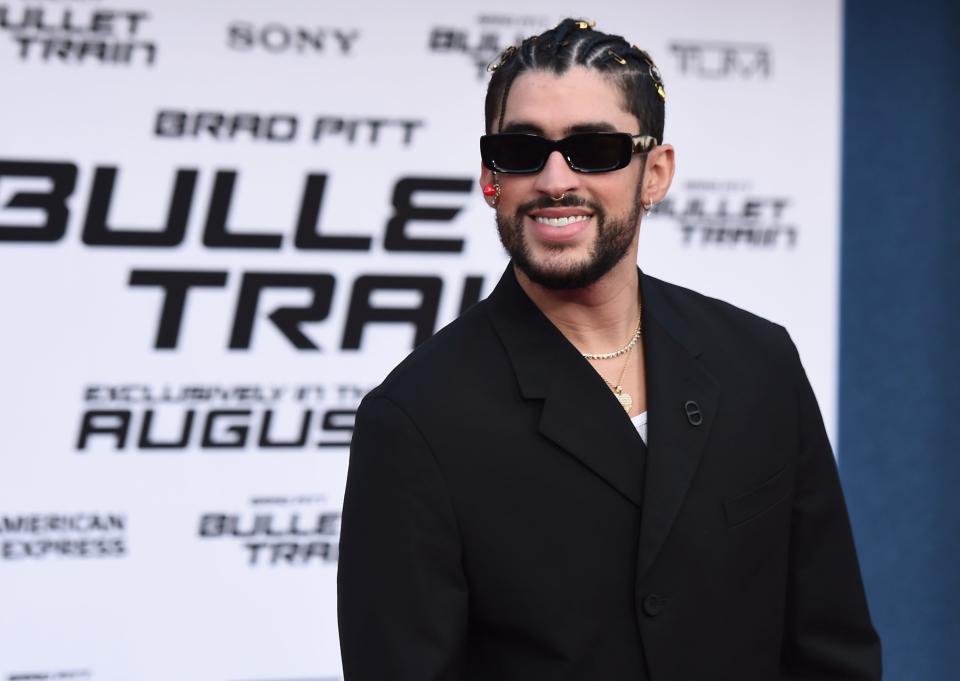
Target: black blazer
{"points": [[504, 521]]}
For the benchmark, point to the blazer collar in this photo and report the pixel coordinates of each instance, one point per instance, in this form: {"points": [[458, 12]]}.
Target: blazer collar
{"points": [[580, 413], [582, 416]]}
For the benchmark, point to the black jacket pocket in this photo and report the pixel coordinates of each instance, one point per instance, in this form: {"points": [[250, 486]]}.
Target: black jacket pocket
{"points": [[749, 505]]}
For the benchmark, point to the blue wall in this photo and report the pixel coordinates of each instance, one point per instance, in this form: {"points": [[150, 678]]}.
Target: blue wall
{"points": [[899, 438]]}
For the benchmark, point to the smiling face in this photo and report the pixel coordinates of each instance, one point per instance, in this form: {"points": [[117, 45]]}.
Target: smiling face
{"points": [[574, 241]]}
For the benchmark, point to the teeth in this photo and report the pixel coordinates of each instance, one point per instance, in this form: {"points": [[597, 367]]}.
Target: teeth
{"points": [[561, 222]]}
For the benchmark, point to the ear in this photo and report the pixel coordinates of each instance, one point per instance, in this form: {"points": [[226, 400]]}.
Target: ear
{"points": [[658, 173], [486, 176]]}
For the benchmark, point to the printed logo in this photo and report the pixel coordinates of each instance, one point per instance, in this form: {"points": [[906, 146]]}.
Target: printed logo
{"points": [[726, 214], [41, 212], [215, 418], [280, 38], [78, 34], [278, 531], [63, 536], [224, 126], [482, 43], [719, 60]]}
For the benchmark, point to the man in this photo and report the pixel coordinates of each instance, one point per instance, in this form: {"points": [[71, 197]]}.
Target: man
{"points": [[512, 513]]}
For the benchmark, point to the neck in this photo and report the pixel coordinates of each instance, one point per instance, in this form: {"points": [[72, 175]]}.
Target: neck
{"points": [[598, 318]]}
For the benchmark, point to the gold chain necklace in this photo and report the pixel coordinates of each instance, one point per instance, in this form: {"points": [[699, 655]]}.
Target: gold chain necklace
{"points": [[625, 398], [622, 351]]}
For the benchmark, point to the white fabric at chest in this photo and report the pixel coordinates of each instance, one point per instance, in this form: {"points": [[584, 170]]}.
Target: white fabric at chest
{"points": [[640, 423]]}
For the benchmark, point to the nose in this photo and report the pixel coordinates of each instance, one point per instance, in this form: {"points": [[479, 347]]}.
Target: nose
{"points": [[557, 178]]}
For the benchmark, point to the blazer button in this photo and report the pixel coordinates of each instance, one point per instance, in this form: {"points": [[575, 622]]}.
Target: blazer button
{"points": [[653, 604]]}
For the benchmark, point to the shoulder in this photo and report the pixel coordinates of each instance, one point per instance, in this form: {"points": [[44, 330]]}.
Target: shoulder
{"points": [[441, 362], [717, 327]]}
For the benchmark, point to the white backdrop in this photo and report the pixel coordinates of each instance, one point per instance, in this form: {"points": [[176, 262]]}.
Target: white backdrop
{"points": [[223, 222]]}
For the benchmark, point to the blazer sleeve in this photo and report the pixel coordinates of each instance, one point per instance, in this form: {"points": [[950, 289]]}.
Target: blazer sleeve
{"points": [[402, 593], [828, 632]]}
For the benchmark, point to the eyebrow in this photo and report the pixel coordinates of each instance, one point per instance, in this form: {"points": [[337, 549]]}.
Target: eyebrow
{"points": [[528, 127]]}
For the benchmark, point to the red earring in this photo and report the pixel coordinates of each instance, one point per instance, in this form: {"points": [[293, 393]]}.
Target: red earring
{"points": [[492, 190]]}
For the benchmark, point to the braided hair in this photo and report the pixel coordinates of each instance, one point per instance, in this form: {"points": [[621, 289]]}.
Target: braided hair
{"points": [[575, 42]]}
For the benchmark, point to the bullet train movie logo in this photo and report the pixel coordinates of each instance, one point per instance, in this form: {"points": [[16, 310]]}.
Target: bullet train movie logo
{"points": [[486, 40], [42, 212], [63, 536], [78, 34], [277, 531], [727, 215]]}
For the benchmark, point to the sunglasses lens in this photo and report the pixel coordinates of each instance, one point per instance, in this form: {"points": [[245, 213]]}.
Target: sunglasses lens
{"points": [[598, 152], [589, 152], [509, 153]]}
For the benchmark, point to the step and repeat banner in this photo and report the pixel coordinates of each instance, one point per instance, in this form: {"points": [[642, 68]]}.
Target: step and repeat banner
{"points": [[222, 223]]}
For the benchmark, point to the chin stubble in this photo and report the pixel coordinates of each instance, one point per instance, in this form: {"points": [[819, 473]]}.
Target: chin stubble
{"points": [[610, 245]]}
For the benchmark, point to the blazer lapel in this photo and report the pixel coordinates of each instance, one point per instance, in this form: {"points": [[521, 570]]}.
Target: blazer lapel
{"points": [[580, 413], [582, 416], [682, 400]]}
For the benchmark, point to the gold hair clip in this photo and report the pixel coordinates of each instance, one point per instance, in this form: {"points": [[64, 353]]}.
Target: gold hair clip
{"points": [[654, 73], [586, 24], [620, 60], [657, 80], [504, 56]]}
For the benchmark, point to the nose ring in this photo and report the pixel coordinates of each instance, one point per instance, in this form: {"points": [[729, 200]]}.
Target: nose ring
{"points": [[558, 198]]}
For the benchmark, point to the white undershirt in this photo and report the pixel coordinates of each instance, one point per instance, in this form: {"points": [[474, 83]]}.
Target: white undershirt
{"points": [[640, 423]]}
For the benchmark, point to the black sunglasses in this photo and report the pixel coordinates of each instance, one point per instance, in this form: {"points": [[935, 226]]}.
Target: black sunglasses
{"points": [[585, 152]]}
